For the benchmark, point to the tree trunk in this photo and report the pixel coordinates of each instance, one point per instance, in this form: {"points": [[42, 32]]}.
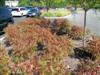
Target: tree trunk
{"points": [[84, 28], [47, 9]]}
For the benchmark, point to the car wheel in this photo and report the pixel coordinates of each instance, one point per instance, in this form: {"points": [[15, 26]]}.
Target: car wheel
{"points": [[38, 15], [11, 21], [3, 26], [21, 14], [27, 16]]}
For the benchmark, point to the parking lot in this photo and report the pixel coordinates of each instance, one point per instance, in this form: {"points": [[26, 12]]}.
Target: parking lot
{"points": [[18, 19]]}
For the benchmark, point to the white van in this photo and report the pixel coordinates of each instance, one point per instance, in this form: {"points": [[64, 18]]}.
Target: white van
{"points": [[19, 11]]}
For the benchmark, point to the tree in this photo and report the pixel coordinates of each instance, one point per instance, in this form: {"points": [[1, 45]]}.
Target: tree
{"points": [[59, 3], [86, 5], [2, 3], [53, 3], [24, 2], [48, 3], [37, 3]]}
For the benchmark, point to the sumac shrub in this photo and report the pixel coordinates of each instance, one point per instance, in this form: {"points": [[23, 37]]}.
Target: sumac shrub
{"points": [[61, 26], [94, 47], [36, 21], [36, 50], [88, 68], [76, 33], [4, 61]]}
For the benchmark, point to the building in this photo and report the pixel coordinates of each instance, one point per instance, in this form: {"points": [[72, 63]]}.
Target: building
{"points": [[11, 3]]}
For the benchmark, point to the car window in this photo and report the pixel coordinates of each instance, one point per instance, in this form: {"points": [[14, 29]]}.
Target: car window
{"points": [[4, 13], [33, 10], [22, 8], [29, 7], [15, 9]]}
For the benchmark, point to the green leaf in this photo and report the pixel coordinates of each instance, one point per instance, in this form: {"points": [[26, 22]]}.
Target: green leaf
{"points": [[1, 66]]}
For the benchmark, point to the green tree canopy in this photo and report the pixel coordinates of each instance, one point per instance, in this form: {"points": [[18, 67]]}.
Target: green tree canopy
{"points": [[85, 4], [24, 2], [54, 3], [47, 3]]}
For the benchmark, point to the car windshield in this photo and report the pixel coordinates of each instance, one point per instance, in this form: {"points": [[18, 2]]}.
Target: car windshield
{"points": [[29, 7], [22, 8], [33, 10]]}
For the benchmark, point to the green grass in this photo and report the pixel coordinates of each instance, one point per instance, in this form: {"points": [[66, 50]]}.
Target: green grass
{"points": [[56, 13]]}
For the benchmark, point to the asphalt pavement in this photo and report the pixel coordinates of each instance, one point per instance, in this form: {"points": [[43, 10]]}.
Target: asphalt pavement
{"points": [[92, 22], [18, 19]]}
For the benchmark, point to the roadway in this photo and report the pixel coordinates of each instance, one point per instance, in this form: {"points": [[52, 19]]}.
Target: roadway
{"points": [[93, 20]]}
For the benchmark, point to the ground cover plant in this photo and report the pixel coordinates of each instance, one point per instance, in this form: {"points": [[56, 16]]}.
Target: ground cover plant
{"points": [[4, 60]]}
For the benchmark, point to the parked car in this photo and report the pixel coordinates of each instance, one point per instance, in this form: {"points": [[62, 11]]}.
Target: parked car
{"points": [[9, 8], [33, 13], [5, 17], [19, 11]]}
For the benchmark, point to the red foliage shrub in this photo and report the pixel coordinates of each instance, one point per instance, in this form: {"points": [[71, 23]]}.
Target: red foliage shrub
{"points": [[88, 68], [41, 22], [94, 47], [36, 51], [76, 32], [29, 41], [4, 61], [61, 26], [61, 22]]}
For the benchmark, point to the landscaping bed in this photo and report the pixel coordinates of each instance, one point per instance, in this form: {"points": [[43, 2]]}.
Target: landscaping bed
{"points": [[56, 13], [44, 47]]}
